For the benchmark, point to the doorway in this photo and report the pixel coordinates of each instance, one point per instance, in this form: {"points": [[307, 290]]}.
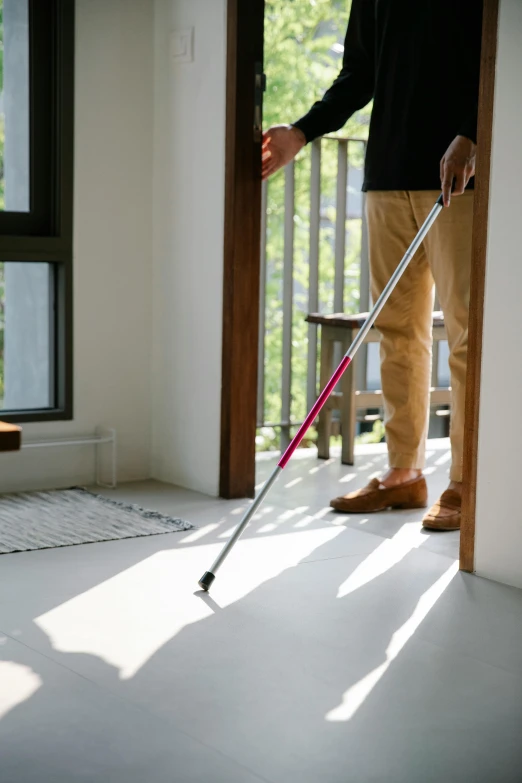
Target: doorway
{"points": [[242, 364]]}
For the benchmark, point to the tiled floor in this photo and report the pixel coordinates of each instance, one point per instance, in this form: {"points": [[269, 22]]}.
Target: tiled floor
{"points": [[331, 649]]}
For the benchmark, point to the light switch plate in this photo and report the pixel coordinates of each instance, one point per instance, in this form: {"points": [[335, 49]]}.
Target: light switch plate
{"points": [[182, 45]]}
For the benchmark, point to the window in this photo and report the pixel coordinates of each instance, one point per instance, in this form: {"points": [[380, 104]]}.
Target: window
{"points": [[36, 165], [14, 109]]}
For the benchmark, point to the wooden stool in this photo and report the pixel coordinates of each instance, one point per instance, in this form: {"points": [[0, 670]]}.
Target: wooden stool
{"points": [[339, 328]]}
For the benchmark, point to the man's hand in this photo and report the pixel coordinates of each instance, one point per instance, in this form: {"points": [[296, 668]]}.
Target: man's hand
{"points": [[457, 164], [280, 145]]}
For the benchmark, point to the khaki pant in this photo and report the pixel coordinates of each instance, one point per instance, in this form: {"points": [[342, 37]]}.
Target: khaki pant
{"points": [[405, 323]]}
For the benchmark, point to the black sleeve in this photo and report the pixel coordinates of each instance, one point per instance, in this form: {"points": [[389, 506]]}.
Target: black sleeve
{"points": [[470, 95], [354, 86], [468, 127]]}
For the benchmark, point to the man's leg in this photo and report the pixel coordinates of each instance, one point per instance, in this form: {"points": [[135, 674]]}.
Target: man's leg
{"points": [[448, 247], [405, 325]]}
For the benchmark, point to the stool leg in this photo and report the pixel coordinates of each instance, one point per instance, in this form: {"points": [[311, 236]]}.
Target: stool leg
{"points": [[325, 416], [348, 409]]}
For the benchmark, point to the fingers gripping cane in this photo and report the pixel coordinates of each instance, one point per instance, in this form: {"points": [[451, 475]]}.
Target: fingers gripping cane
{"points": [[209, 576]]}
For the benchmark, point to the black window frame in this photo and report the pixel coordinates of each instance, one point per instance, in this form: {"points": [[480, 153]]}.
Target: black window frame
{"points": [[45, 233]]}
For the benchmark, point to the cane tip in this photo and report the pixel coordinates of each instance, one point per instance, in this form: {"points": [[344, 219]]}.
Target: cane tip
{"points": [[206, 581]]}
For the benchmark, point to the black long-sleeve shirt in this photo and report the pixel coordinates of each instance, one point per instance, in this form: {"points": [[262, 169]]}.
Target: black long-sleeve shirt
{"points": [[420, 61]]}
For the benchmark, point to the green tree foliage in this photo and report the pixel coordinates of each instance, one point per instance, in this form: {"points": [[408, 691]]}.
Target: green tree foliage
{"points": [[303, 53]]}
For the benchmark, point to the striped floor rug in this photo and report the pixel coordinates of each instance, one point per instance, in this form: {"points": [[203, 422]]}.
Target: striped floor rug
{"points": [[40, 520]]}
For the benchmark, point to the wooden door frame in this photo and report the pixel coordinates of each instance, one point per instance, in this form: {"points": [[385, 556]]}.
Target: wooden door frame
{"points": [[478, 278], [245, 34]]}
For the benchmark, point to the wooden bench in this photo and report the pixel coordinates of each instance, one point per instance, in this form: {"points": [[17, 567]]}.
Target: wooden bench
{"points": [[339, 328], [10, 437]]}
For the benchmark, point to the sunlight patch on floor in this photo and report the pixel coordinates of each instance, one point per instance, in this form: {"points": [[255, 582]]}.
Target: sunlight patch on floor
{"points": [[268, 528], [17, 684], [347, 478], [309, 518], [293, 482], [388, 554], [304, 522], [125, 620], [200, 533], [258, 517], [355, 696], [291, 513], [365, 466], [227, 533], [317, 468]]}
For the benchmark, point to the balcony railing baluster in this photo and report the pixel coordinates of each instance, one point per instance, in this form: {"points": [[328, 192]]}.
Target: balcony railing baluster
{"points": [[313, 278], [340, 225], [288, 304]]}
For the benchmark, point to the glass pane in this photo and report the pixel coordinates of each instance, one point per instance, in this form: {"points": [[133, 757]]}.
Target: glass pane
{"points": [[26, 336], [14, 106]]}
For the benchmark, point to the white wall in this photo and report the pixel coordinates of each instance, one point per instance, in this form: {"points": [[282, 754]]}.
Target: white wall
{"points": [[498, 553], [148, 248], [112, 249], [189, 140]]}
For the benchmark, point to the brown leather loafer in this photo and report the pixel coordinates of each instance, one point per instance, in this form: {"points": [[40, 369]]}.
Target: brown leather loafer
{"points": [[375, 497], [445, 514]]}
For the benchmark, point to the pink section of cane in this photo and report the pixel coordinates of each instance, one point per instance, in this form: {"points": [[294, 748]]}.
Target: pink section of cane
{"points": [[328, 389]]}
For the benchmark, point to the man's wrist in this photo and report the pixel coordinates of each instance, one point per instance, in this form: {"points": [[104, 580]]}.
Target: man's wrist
{"points": [[300, 135], [472, 143]]}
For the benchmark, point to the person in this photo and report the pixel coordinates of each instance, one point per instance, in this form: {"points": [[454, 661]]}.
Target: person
{"points": [[420, 63]]}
